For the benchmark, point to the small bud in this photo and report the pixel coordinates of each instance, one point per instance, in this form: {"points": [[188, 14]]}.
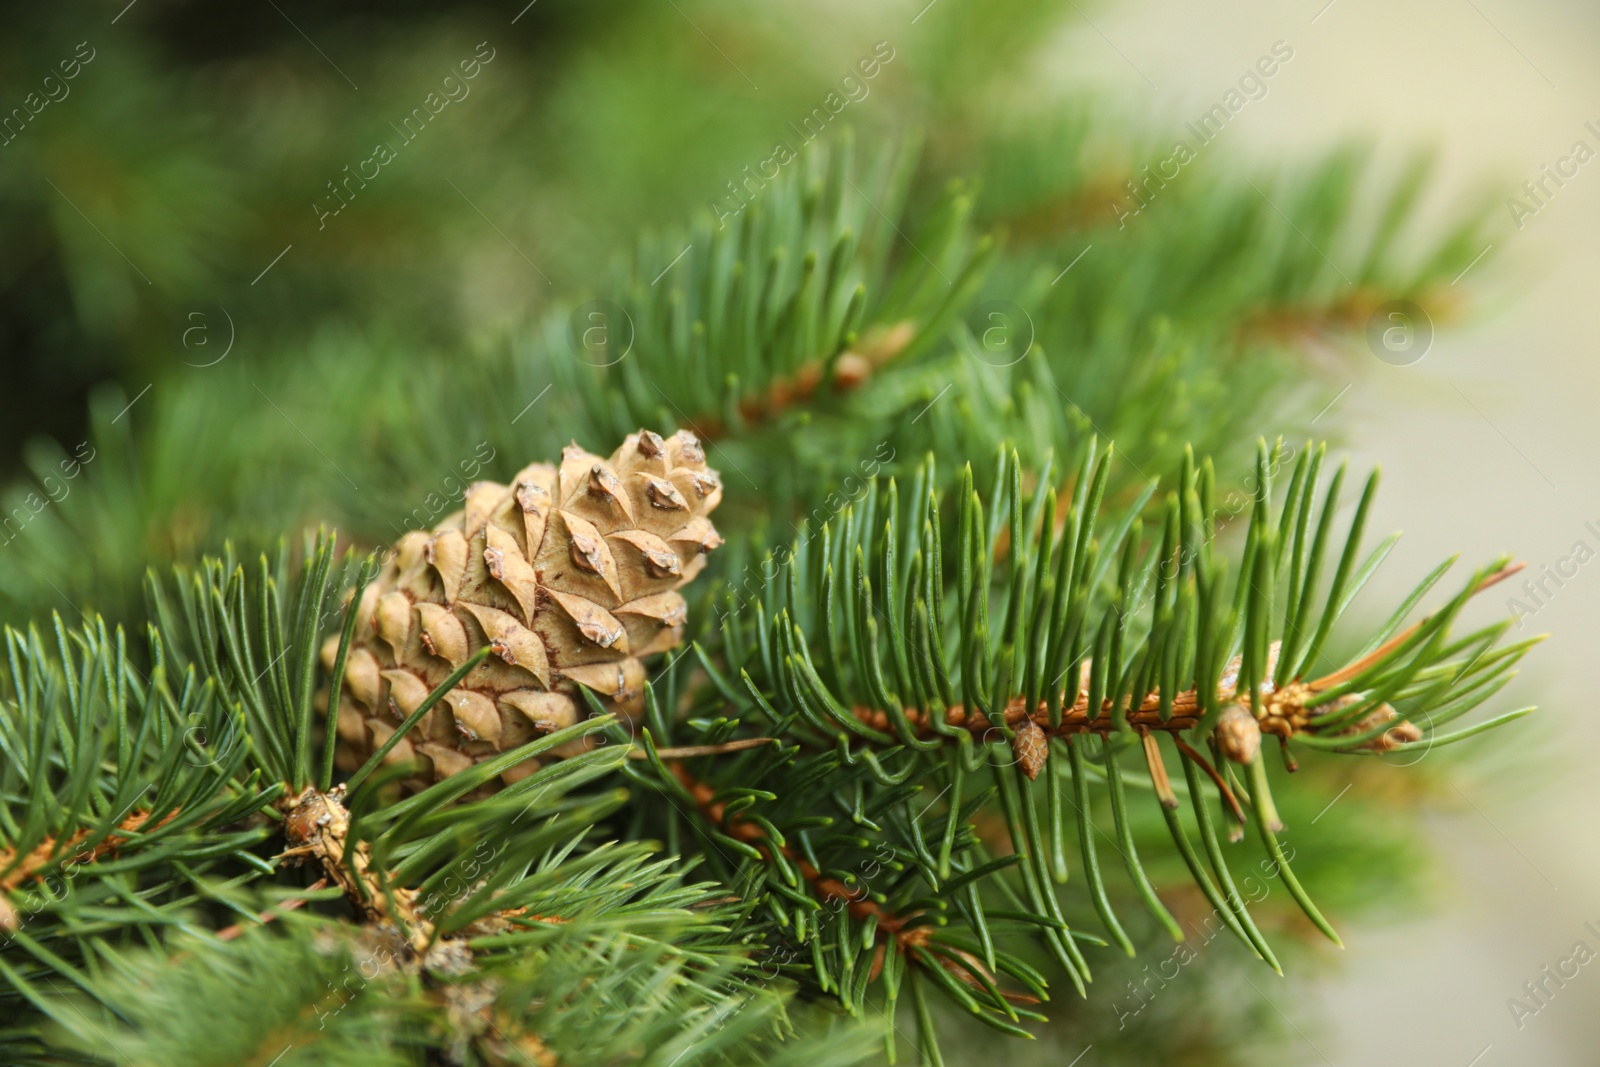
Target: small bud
{"points": [[1405, 733], [850, 370], [1031, 747], [1238, 734], [807, 377], [1399, 734]]}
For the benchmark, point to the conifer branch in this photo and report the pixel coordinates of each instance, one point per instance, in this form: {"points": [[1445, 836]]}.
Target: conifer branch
{"points": [[846, 371], [888, 926], [911, 640], [50, 853], [1285, 712]]}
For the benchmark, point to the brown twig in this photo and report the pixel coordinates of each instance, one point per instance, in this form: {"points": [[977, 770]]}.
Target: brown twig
{"points": [[888, 924], [891, 928], [1222, 785], [1074, 720], [847, 370], [44, 854], [1283, 712], [272, 913], [1350, 670], [691, 751], [317, 825]]}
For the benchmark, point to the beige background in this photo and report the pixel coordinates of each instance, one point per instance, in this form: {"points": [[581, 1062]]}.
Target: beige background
{"points": [[1499, 88]]}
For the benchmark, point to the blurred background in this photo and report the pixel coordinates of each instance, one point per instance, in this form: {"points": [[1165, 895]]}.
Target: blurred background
{"points": [[1487, 444], [207, 257]]}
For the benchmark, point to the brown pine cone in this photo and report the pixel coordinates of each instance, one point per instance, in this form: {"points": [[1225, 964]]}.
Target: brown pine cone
{"points": [[569, 574]]}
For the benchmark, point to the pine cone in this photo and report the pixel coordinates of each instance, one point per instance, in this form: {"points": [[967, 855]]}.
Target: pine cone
{"points": [[569, 575]]}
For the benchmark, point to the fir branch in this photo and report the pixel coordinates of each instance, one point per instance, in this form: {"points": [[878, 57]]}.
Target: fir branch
{"points": [[49, 853], [909, 641], [798, 292], [848, 371], [1284, 713], [889, 927]]}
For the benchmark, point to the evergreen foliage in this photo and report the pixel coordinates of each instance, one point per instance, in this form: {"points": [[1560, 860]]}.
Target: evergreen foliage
{"points": [[972, 707]]}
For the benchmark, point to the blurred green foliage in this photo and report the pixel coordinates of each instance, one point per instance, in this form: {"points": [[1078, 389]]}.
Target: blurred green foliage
{"points": [[169, 228]]}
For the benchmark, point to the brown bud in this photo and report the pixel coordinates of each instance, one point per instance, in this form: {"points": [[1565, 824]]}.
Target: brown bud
{"points": [[1238, 734], [1400, 734], [850, 370], [807, 377], [1031, 747]]}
